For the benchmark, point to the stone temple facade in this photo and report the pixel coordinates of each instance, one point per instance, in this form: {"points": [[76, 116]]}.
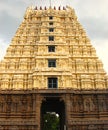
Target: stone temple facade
{"points": [[51, 66]]}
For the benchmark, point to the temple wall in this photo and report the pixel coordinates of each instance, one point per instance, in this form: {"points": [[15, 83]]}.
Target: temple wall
{"points": [[21, 110]]}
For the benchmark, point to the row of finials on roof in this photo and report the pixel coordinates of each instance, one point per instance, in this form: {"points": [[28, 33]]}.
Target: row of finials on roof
{"points": [[45, 8]]}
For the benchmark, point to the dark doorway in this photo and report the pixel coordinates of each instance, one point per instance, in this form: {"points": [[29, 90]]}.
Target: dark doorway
{"points": [[52, 114]]}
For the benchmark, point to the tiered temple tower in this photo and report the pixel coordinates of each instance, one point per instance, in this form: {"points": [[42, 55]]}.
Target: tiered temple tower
{"points": [[51, 66]]}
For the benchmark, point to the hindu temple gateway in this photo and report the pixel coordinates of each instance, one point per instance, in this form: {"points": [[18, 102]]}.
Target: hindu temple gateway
{"points": [[51, 67]]}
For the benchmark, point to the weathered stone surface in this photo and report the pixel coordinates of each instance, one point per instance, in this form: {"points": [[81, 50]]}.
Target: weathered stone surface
{"points": [[82, 110]]}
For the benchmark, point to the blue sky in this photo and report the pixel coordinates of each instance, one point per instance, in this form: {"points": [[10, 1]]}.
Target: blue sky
{"points": [[92, 14]]}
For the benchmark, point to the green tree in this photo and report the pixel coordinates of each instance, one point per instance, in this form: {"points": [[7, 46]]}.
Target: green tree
{"points": [[51, 122]]}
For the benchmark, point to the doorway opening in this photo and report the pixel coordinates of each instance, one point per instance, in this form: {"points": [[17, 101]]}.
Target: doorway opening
{"points": [[52, 114]]}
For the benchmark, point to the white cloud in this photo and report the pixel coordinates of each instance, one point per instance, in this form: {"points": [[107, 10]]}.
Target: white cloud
{"points": [[91, 8], [3, 47], [101, 47]]}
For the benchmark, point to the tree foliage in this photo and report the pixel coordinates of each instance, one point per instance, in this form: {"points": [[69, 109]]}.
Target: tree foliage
{"points": [[51, 122]]}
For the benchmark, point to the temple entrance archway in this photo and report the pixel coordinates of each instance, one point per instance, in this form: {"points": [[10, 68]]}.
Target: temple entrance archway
{"points": [[52, 110]]}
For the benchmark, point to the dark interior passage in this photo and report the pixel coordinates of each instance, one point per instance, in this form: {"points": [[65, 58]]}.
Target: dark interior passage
{"points": [[52, 110]]}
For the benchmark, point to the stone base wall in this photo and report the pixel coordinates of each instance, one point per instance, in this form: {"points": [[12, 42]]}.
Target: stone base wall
{"points": [[21, 110]]}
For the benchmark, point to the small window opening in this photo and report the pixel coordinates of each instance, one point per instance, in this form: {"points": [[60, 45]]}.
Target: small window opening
{"points": [[51, 38], [51, 23], [51, 29], [50, 17], [51, 48], [52, 63], [52, 82]]}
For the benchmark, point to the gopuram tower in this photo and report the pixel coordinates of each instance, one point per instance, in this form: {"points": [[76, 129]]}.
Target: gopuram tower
{"points": [[51, 67]]}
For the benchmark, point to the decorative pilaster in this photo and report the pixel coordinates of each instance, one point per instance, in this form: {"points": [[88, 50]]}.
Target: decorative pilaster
{"points": [[38, 110], [68, 110]]}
